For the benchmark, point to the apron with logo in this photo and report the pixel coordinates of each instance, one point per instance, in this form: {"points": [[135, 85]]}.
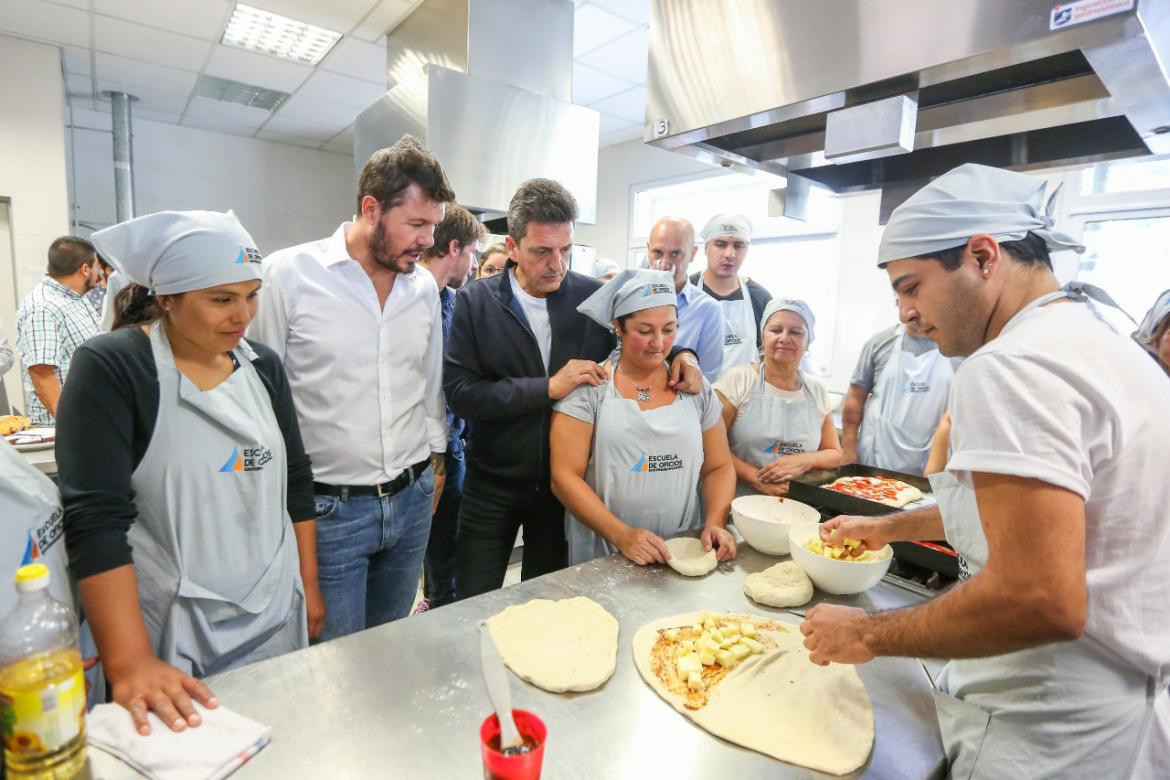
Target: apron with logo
{"points": [[1064, 709], [645, 469], [214, 550], [739, 335], [767, 427], [904, 409]]}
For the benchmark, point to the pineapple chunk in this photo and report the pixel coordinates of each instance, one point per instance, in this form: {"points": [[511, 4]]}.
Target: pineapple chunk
{"points": [[731, 633], [695, 681], [706, 658], [709, 624], [689, 663], [709, 645], [696, 629], [689, 644], [753, 645], [715, 634], [740, 651], [726, 643], [671, 634], [679, 652], [747, 629], [725, 659]]}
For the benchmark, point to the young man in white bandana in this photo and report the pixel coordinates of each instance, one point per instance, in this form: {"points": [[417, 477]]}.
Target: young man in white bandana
{"points": [[1055, 497]]}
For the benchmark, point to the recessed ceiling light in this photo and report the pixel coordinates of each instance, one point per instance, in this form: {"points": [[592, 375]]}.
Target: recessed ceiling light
{"points": [[268, 33], [237, 92]]}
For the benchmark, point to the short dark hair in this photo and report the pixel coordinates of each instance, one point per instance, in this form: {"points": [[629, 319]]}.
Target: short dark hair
{"points": [[1029, 250], [67, 254], [458, 224], [539, 200], [390, 171]]}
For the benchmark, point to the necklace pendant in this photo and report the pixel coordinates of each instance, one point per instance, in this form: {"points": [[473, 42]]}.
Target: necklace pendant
{"points": [[643, 394]]}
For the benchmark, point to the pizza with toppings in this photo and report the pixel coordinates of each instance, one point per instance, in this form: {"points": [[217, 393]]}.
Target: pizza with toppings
{"points": [[883, 490]]}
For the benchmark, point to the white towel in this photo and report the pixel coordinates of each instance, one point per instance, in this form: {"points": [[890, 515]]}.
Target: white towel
{"points": [[214, 749]]}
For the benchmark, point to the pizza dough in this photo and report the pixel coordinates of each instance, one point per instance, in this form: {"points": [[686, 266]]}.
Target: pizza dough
{"points": [[567, 645], [881, 490], [782, 585], [778, 703], [688, 557]]}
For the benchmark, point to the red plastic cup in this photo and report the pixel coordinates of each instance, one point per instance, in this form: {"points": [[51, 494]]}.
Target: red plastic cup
{"points": [[523, 766]]}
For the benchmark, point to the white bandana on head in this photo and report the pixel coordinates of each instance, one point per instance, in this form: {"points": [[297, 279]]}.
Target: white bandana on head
{"points": [[629, 292]]}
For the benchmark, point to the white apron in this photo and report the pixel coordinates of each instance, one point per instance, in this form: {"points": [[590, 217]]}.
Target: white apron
{"points": [[645, 469], [739, 335], [767, 427], [1061, 710], [904, 409], [214, 550]]}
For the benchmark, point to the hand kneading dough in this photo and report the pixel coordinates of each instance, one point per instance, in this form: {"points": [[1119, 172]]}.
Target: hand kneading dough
{"points": [[782, 585], [567, 645], [688, 557], [779, 703]]}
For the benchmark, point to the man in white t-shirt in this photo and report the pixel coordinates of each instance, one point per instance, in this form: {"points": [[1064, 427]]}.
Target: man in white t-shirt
{"points": [[1055, 497]]}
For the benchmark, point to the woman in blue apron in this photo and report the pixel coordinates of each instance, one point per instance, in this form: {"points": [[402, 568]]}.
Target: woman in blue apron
{"points": [[180, 463], [779, 421], [629, 455]]}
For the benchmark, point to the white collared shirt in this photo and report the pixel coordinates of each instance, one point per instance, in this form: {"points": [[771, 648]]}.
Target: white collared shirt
{"points": [[367, 380]]}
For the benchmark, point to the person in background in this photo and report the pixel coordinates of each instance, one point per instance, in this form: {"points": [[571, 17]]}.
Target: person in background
{"points": [[518, 345], [457, 239], [726, 240], [97, 295], [1153, 334], [629, 454], [492, 261], [362, 339], [605, 269], [1055, 499], [779, 420], [115, 283], [671, 248], [53, 320], [896, 397], [191, 534]]}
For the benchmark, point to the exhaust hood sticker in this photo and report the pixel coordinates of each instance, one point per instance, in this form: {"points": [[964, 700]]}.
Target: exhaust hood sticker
{"points": [[1081, 11]]}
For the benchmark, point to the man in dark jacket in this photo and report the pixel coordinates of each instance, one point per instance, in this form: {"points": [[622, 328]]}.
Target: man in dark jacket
{"points": [[517, 345]]}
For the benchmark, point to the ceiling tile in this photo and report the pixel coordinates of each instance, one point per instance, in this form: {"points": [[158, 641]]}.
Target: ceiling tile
{"points": [[625, 57], [612, 124], [230, 62], [339, 147], [150, 99], [204, 19], [336, 15], [95, 120], [45, 21], [302, 128], [126, 39], [384, 17], [218, 125], [335, 88], [634, 10], [629, 105], [77, 60], [119, 70], [81, 4], [359, 59], [591, 85], [621, 136], [229, 113], [300, 106], [286, 138], [594, 26], [156, 116], [77, 84]]}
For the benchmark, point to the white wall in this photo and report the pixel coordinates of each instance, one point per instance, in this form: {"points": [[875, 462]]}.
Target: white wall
{"points": [[32, 170], [283, 194]]}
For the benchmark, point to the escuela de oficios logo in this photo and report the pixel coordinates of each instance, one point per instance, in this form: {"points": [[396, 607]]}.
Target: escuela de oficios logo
{"points": [[247, 459], [653, 463]]}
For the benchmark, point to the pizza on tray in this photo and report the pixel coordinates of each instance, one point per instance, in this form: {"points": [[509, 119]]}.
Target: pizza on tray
{"points": [[883, 490]]}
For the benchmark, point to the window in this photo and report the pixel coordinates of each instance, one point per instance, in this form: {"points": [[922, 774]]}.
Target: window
{"points": [[1125, 176], [1129, 258]]}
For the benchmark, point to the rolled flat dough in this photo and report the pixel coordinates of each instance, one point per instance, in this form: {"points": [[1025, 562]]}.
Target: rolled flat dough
{"points": [[688, 557], [778, 703], [567, 645], [782, 585]]}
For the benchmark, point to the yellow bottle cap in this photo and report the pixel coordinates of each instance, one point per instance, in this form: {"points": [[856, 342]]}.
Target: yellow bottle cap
{"points": [[31, 573]]}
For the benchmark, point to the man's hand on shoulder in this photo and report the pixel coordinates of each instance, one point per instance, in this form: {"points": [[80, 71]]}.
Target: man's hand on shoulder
{"points": [[685, 375]]}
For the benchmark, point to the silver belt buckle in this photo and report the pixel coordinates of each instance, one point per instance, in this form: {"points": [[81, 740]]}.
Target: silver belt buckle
{"points": [[382, 493]]}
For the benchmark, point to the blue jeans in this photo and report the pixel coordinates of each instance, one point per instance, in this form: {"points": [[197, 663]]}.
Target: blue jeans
{"points": [[369, 554], [439, 566]]}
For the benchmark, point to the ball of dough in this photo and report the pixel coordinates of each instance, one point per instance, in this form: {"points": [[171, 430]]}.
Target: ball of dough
{"points": [[782, 585], [688, 557]]}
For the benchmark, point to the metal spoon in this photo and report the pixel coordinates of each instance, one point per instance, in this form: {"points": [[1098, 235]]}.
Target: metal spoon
{"points": [[496, 678]]}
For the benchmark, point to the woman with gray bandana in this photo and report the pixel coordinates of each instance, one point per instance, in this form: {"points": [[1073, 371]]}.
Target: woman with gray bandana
{"points": [[1154, 332]]}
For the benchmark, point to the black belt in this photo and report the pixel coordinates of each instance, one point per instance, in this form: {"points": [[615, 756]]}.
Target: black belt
{"points": [[407, 477]]}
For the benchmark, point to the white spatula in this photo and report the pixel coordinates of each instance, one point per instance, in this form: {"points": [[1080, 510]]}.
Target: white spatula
{"points": [[496, 678]]}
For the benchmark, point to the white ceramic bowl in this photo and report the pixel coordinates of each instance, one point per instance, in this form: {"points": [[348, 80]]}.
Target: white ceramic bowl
{"points": [[833, 576], [764, 520]]}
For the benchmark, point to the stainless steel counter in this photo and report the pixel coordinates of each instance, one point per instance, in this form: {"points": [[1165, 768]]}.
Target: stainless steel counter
{"points": [[406, 699]]}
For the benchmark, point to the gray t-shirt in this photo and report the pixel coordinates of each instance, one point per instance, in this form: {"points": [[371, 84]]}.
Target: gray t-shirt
{"points": [[876, 353], [585, 401]]}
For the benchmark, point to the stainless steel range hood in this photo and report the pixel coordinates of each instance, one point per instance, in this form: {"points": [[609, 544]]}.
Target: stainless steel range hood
{"points": [[485, 85], [858, 94]]}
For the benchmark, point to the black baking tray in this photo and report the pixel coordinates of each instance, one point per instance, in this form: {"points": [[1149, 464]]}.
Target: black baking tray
{"points": [[808, 488]]}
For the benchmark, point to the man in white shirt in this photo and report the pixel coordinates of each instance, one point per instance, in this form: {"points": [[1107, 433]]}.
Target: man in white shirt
{"points": [[1055, 498], [672, 247], [361, 336]]}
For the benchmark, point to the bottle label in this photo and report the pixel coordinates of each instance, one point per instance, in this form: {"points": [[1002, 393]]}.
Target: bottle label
{"points": [[44, 720]]}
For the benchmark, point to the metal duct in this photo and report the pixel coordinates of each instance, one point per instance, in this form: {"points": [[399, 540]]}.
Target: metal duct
{"points": [[123, 155]]}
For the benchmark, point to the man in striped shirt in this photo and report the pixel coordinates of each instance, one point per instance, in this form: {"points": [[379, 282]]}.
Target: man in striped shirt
{"points": [[53, 321]]}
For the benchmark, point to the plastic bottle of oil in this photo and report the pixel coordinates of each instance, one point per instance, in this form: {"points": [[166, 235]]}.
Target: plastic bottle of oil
{"points": [[42, 687]]}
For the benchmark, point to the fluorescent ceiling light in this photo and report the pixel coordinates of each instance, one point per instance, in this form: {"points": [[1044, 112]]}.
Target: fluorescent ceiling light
{"points": [[268, 33], [236, 92]]}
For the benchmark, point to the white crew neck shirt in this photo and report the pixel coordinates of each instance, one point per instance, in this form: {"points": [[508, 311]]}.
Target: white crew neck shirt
{"points": [[536, 310]]}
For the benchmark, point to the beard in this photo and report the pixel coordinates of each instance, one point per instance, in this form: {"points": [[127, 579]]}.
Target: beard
{"points": [[384, 254]]}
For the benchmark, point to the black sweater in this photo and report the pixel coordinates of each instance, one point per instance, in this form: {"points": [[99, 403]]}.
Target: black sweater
{"points": [[105, 421]]}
